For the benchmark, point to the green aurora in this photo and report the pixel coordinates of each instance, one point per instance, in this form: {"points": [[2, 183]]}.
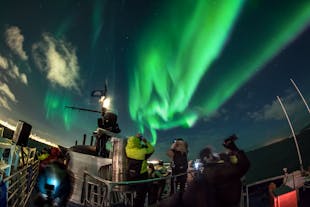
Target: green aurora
{"points": [[55, 106], [179, 49], [176, 51]]}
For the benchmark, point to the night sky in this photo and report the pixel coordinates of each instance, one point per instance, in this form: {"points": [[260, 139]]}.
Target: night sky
{"points": [[200, 70]]}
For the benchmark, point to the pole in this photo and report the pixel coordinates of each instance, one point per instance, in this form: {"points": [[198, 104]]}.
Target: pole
{"points": [[75, 142], [84, 139], [302, 97], [91, 140], [294, 136]]}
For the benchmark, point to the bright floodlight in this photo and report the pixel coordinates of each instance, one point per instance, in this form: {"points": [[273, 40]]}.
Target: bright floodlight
{"points": [[106, 103]]}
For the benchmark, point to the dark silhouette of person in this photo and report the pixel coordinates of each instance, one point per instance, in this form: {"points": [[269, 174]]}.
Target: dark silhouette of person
{"points": [[153, 186], [156, 187], [224, 175], [219, 183], [179, 164], [109, 123], [162, 171], [55, 185]]}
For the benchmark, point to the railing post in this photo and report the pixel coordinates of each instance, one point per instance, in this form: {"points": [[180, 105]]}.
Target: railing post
{"points": [[110, 187], [84, 139], [91, 140], [175, 183], [247, 196]]}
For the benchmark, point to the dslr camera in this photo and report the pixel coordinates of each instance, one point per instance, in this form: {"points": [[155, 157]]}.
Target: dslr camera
{"points": [[229, 143]]}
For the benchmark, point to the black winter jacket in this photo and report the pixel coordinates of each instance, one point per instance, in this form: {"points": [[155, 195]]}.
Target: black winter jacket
{"points": [[219, 186]]}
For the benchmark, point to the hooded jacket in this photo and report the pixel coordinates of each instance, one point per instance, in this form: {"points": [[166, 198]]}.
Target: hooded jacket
{"points": [[138, 154]]}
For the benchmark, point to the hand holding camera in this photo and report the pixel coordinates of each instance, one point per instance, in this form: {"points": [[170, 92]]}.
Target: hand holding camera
{"points": [[229, 143]]}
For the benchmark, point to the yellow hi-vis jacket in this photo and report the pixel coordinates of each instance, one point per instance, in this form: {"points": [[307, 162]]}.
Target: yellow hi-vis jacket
{"points": [[134, 150]]}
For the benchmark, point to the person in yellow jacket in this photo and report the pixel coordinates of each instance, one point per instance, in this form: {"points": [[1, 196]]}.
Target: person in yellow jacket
{"points": [[138, 150]]}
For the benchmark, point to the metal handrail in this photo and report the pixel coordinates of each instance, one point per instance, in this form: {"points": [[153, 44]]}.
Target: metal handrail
{"points": [[19, 187], [265, 180], [133, 181], [257, 183], [110, 186]]}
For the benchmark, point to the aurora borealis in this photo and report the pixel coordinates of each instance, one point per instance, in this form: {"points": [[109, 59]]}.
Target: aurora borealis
{"points": [[54, 104], [179, 49], [194, 69]]}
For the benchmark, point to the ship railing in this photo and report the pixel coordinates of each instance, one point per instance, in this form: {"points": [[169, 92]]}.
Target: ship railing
{"points": [[294, 180], [20, 185], [100, 192], [246, 194]]}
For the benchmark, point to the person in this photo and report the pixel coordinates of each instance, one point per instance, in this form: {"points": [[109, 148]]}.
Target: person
{"points": [[219, 183], [138, 150], [47, 158], [54, 185], [271, 187], [153, 186], [43, 154], [224, 175], [109, 123], [156, 188], [162, 172], [179, 164]]}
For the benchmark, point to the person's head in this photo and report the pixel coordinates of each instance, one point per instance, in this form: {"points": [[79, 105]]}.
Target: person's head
{"points": [[139, 135], [179, 145], [160, 163], [45, 150], [206, 155], [134, 142], [206, 152], [55, 151], [151, 166]]}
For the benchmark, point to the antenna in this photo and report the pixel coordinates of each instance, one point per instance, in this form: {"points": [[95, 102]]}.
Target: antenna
{"points": [[82, 109], [302, 97], [294, 136], [102, 94]]}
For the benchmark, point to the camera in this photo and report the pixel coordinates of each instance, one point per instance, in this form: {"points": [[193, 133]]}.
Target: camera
{"points": [[49, 187], [229, 142], [139, 136], [198, 165], [109, 122], [178, 139], [231, 138]]}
